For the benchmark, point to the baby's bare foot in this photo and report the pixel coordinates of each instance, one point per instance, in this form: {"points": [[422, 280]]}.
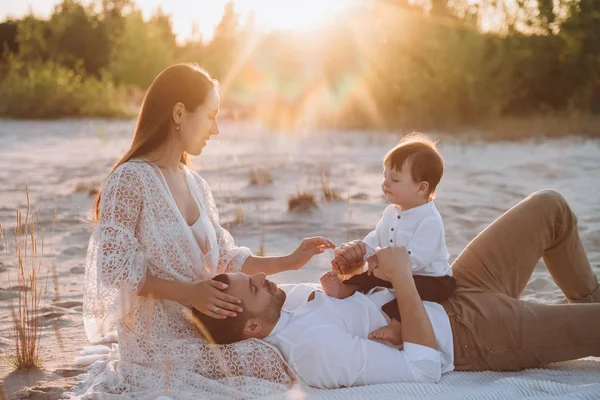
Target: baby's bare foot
{"points": [[334, 287], [391, 333]]}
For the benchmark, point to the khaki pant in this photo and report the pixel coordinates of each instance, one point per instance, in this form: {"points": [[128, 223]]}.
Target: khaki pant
{"points": [[492, 328]]}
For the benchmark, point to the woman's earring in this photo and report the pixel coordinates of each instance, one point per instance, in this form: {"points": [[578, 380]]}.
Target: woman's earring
{"points": [[177, 127]]}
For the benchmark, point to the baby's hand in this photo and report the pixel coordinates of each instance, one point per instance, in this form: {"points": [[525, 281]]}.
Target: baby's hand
{"points": [[339, 265], [372, 263], [373, 268]]}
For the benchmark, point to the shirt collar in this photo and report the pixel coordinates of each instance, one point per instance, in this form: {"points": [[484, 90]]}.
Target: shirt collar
{"points": [[416, 210], [284, 319]]}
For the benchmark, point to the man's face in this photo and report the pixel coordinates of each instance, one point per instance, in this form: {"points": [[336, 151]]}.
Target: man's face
{"points": [[261, 300]]}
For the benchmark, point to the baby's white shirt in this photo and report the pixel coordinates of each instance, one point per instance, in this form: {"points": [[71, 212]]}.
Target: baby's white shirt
{"points": [[420, 230]]}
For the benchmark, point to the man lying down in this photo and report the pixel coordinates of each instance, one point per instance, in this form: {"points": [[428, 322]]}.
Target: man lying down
{"points": [[326, 340]]}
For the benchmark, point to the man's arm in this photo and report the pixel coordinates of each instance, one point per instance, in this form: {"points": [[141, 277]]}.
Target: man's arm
{"points": [[394, 263], [329, 357]]}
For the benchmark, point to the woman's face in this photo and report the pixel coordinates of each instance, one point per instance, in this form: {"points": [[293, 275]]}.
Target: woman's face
{"points": [[198, 126]]}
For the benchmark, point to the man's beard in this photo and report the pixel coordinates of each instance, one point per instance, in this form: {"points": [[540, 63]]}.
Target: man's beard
{"points": [[274, 307], [278, 300]]}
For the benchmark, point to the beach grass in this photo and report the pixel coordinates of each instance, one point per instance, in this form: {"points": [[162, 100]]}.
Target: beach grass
{"points": [[328, 193], [29, 289], [302, 202]]}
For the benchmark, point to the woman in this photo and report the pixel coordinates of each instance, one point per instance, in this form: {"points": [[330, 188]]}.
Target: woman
{"points": [[156, 244], [492, 329]]}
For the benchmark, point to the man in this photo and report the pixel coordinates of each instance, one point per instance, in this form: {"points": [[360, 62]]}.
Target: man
{"points": [[326, 340]]}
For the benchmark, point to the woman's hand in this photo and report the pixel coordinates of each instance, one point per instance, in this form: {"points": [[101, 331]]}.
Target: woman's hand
{"points": [[208, 298], [348, 257], [307, 249]]}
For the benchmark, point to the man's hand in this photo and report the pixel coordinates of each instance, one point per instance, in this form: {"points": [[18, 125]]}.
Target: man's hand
{"points": [[308, 248], [395, 265], [348, 257], [392, 262]]}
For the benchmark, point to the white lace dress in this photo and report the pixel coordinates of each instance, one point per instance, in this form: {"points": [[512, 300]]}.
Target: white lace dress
{"points": [[141, 231]]}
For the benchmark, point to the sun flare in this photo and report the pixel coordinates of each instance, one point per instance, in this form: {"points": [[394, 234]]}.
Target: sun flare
{"points": [[295, 15]]}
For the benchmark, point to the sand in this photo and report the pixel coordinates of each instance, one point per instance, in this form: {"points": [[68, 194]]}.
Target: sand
{"points": [[60, 160]]}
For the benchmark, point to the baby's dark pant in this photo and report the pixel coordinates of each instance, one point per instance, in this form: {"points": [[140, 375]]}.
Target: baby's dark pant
{"points": [[430, 288]]}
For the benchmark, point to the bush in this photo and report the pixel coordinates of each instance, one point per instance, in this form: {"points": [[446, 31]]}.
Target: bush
{"points": [[49, 90]]}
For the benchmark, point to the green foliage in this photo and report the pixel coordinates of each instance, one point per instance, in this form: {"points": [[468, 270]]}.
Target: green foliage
{"points": [[49, 90], [140, 52], [398, 65], [225, 45]]}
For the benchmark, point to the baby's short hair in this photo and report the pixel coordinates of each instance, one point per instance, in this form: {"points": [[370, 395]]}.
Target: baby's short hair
{"points": [[420, 154]]}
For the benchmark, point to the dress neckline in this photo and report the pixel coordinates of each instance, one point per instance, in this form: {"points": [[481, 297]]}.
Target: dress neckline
{"points": [[168, 190]]}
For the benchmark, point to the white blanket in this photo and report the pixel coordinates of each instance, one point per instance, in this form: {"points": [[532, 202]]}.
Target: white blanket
{"points": [[570, 380], [578, 379]]}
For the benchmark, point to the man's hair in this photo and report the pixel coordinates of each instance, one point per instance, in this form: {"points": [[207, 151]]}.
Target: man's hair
{"points": [[221, 331], [420, 153]]}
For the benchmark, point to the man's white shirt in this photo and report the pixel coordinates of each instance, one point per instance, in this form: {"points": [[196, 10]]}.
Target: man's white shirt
{"points": [[325, 341], [420, 230]]}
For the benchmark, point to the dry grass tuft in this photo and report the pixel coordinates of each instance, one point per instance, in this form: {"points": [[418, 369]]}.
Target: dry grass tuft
{"points": [[89, 187], [261, 248], [329, 194], [302, 202], [4, 239], [260, 177], [239, 214], [25, 309], [57, 332]]}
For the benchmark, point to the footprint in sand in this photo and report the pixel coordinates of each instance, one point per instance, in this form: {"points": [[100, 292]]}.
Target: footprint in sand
{"points": [[7, 294], [69, 372], [53, 315], [457, 209], [78, 270], [20, 288], [360, 196], [68, 304], [49, 318], [72, 252], [40, 392]]}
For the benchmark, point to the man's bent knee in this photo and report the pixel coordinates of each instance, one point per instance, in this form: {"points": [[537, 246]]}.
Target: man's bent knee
{"points": [[552, 203], [549, 197]]}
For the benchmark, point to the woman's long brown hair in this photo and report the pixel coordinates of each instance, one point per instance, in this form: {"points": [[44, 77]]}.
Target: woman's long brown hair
{"points": [[185, 83]]}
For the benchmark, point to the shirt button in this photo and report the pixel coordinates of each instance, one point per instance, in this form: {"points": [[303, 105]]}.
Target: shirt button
{"points": [[399, 217], [392, 229], [391, 241]]}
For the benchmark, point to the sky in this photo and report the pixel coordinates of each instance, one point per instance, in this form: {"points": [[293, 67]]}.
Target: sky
{"points": [[269, 14]]}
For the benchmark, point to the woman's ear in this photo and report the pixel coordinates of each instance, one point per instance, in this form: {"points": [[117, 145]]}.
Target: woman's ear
{"points": [[178, 110]]}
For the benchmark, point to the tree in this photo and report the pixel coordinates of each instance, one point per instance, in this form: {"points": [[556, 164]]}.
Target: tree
{"points": [[225, 44], [140, 52], [77, 36], [8, 39], [581, 31]]}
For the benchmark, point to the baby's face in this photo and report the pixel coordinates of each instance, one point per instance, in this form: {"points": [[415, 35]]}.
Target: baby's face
{"points": [[399, 187]]}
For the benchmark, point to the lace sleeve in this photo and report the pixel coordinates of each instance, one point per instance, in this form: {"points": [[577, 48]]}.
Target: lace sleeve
{"points": [[121, 261], [231, 257], [115, 262]]}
